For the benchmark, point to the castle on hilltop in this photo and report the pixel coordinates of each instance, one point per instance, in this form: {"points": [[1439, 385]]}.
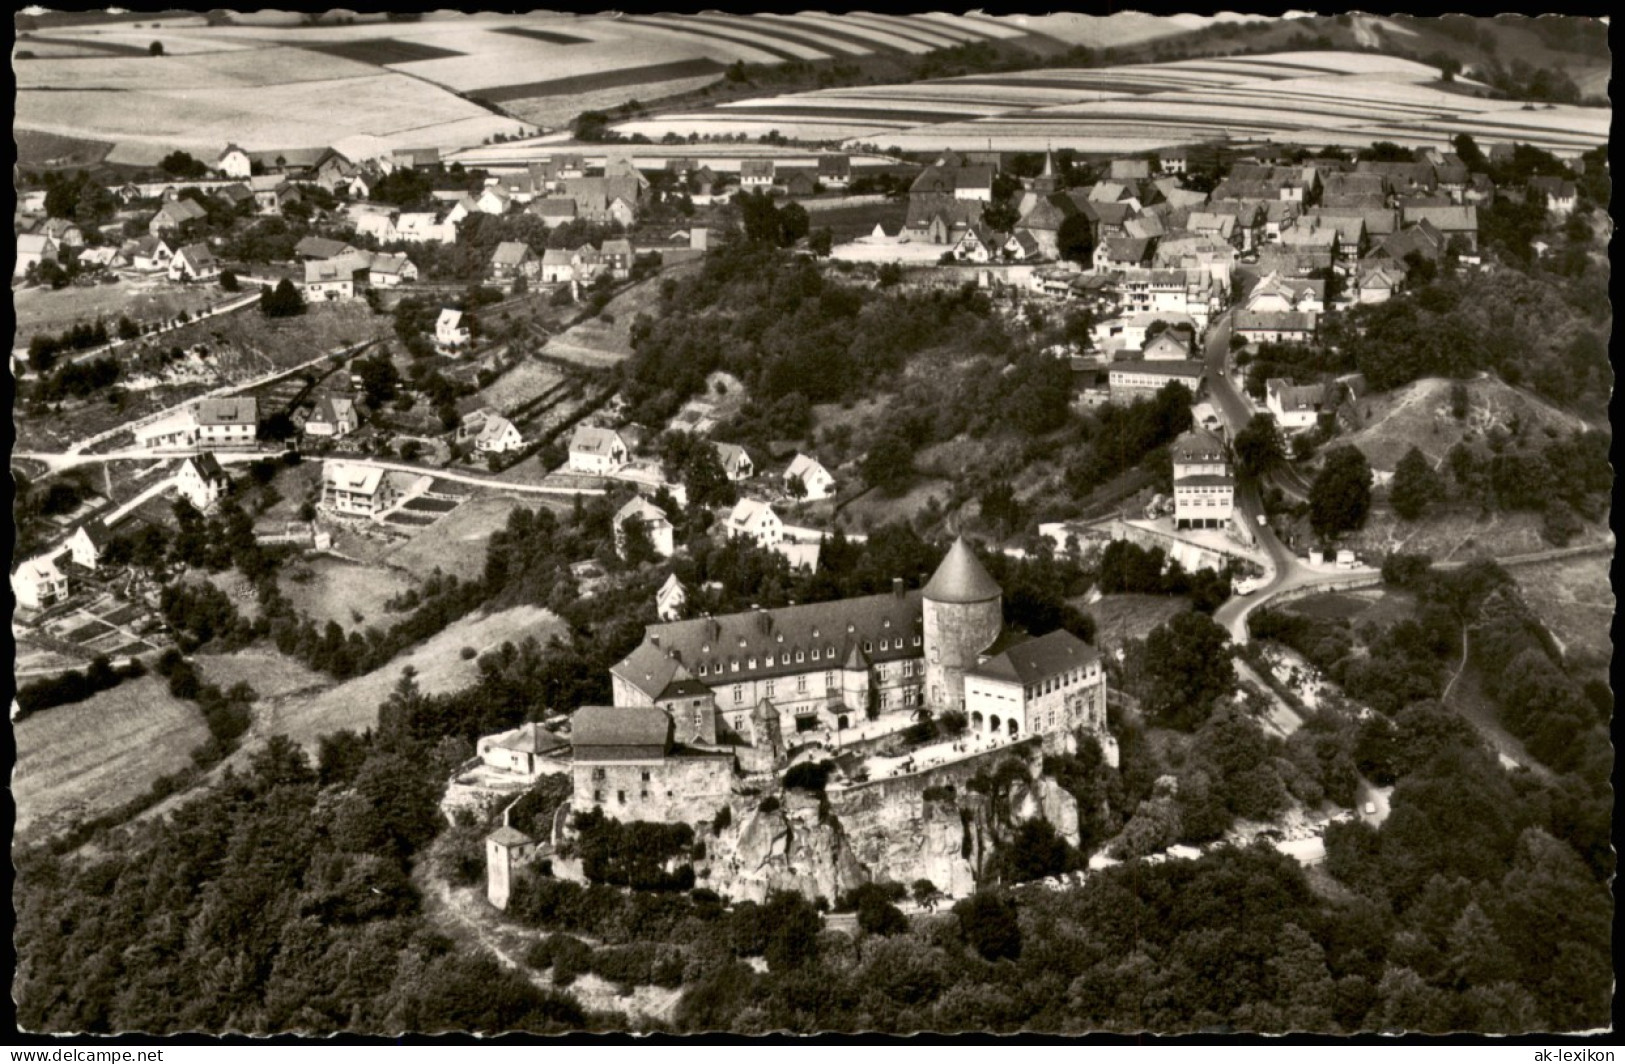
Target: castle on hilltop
{"points": [[828, 666]]}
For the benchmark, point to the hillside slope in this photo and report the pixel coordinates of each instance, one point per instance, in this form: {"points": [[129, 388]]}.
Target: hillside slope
{"points": [[1419, 415]]}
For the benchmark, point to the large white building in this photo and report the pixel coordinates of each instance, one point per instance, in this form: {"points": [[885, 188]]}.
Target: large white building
{"points": [[1204, 491], [1050, 685]]}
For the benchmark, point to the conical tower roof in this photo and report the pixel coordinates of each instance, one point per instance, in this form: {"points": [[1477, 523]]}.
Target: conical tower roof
{"points": [[961, 578]]}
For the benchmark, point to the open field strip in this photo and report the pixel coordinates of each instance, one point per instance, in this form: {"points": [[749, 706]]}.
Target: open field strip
{"points": [[922, 34], [567, 90], [175, 44], [557, 111], [778, 32], [724, 126], [1100, 31], [1010, 96], [857, 107], [678, 24], [973, 28], [209, 71], [834, 29]]}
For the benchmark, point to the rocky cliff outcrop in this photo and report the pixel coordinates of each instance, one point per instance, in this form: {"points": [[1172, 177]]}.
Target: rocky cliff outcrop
{"points": [[893, 831]]}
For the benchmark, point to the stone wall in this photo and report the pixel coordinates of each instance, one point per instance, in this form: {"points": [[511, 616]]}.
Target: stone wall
{"points": [[677, 789]]}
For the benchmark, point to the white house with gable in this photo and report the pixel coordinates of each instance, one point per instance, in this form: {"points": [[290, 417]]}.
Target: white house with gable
{"points": [[818, 481], [598, 451], [655, 523], [202, 481], [754, 519], [449, 330], [38, 583]]}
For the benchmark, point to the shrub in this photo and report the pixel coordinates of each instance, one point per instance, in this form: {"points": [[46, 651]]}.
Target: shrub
{"points": [[769, 804], [808, 776]]}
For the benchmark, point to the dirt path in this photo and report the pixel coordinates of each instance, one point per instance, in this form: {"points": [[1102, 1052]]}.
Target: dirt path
{"points": [[463, 913]]}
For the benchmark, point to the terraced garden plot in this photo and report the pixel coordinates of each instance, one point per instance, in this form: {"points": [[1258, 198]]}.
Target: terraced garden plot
{"points": [[409, 520], [431, 506], [382, 51], [124, 615]]}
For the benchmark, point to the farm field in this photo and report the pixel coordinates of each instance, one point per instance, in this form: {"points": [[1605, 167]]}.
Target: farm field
{"points": [[337, 590], [78, 760], [598, 342], [142, 299], [1307, 97], [439, 667], [1575, 601], [456, 543], [47, 150], [520, 385]]}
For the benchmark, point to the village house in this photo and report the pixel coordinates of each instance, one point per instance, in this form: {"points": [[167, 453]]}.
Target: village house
{"points": [[1560, 196], [735, 461], [39, 584], [423, 228], [529, 750], [656, 525], [617, 257], [328, 281], [34, 249], [1275, 326], [449, 331], [235, 195], [1275, 293], [389, 270], [606, 199], [234, 162], [1295, 406], [756, 175], [498, 435], [229, 422], [201, 481], [179, 429], [1452, 222], [598, 451], [333, 170], [799, 183], [1133, 379], [557, 266], [755, 520], [175, 214], [553, 210], [62, 230], [381, 227], [194, 262], [321, 247], [1048, 686], [512, 259], [1122, 252], [334, 416], [1166, 346], [89, 542], [356, 490], [1204, 491], [670, 599], [817, 482], [103, 257], [1378, 283], [834, 170]]}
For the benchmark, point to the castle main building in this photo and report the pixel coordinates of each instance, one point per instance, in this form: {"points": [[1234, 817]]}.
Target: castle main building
{"points": [[827, 664]]}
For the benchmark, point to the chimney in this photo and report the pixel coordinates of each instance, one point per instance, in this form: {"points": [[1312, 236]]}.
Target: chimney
{"points": [[897, 586]]}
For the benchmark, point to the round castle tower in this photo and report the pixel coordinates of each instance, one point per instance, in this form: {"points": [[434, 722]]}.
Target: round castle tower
{"points": [[964, 614]]}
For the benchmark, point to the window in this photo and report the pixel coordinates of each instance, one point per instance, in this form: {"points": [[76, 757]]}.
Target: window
{"points": [[801, 684], [829, 652], [645, 775], [829, 681], [784, 659], [770, 688], [868, 647], [597, 773], [620, 796], [916, 640], [702, 670], [739, 692], [800, 656], [751, 664], [908, 669], [597, 796], [705, 649], [815, 654], [733, 664], [739, 723]]}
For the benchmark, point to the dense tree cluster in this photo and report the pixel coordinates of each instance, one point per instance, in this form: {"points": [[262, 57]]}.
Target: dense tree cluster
{"points": [[1127, 568], [74, 685], [1121, 437]]}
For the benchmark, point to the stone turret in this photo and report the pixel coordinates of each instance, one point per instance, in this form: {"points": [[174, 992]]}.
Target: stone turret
{"points": [[505, 849], [964, 614]]}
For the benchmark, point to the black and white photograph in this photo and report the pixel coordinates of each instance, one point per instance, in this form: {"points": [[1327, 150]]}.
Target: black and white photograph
{"points": [[730, 523]]}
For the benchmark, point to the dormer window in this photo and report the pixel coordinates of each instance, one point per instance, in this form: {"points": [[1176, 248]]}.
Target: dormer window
{"points": [[886, 623], [851, 628], [741, 642], [751, 664], [784, 658], [781, 637], [733, 663], [702, 670], [815, 653], [868, 647], [883, 644], [705, 649], [829, 652], [916, 640], [815, 633], [801, 656]]}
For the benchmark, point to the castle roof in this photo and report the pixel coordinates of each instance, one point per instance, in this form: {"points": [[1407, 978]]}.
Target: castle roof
{"points": [[506, 836], [605, 730], [961, 578], [1035, 660]]}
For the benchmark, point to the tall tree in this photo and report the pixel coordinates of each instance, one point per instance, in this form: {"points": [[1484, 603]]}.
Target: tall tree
{"points": [[1187, 666], [1340, 496], [1415, 485]]}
